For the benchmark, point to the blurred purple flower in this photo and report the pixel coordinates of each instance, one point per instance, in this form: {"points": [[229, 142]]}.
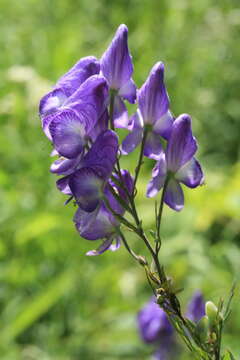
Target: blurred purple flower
{"points": [[153, 323], [196, 307], [152, 115], [155, 328], [178, 164], [101, 223], [117, 68]]}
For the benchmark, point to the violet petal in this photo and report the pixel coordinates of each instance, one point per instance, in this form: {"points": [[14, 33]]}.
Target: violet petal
{"points": [[174, 197], [67, 133], [182, 145], [116, 62], [190, 174]]}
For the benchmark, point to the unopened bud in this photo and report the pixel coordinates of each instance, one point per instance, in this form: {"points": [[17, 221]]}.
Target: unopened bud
{"points": [[142, 260], [211, 311], [202, 328]]}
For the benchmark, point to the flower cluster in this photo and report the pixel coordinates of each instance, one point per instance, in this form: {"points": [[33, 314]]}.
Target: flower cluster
{"points": [[155, 328], [80, 117]]}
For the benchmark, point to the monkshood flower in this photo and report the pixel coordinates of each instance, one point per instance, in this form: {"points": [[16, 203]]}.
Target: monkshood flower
{"points": [[86, 177], [73, 125], [177, 165], [101, 224], [155, 328], [117, 68], [68, 84], [152, 116], [196, 307]]}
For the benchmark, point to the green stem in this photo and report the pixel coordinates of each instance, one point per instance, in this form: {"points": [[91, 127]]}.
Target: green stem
{"points": [[140, 159], [159, 217]]}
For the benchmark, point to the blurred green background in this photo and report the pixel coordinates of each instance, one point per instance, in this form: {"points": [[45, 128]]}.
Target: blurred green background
{"points": [[56, 303]]}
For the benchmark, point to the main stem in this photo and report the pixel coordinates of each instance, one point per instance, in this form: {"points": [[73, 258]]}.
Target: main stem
{"points": [[170, 301]]}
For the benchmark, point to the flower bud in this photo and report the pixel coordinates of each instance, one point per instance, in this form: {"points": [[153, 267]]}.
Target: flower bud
{"points": [[211, 311], [202, 328]]}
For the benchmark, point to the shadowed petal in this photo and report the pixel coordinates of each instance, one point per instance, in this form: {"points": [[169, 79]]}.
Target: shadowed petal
{"points": [[128, 91], [116, 62], [163, 126], [103, 154], [153, 100], [174, 197], [153, 146], [101, 125], [131, 141], [86, 187], [190, 174], [67, 133], [182, 145], [94, 225], [63, 185], [159, 176], [120, 113]]}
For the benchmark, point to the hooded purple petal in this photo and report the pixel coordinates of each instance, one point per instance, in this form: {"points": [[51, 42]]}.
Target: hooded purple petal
{"points": [[153, 100], [90, 101], [158, 177], [153, 322], [80, 72], [87, 187], [174, 197], [190, 174], [68, 84], [68, 133], [182, 145], [196, 307], [116, 62]]}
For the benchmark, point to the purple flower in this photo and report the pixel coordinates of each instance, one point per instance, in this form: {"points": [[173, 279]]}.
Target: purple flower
{"points": [[196, 307], [155, 328], [87, 182], [177, 165], [153, 323], [72, 125], [68, 84], [152, 115], [117, 68], [101, 224]]}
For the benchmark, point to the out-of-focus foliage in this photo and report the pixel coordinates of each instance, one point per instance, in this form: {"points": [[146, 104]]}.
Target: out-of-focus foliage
{"points": [[55, 303]]}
